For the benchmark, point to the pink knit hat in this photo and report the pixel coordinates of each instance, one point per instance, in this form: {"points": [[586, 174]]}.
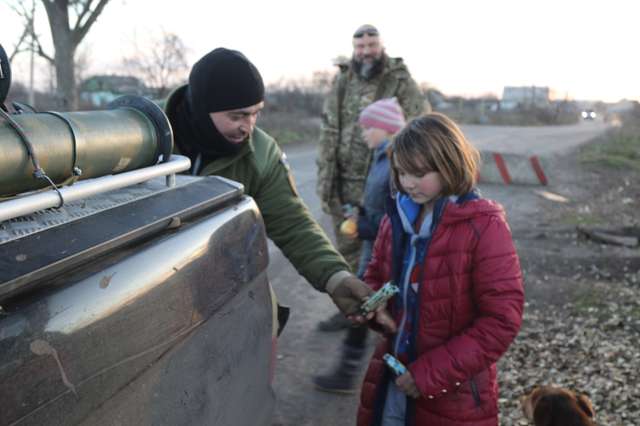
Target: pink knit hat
{"points": [[384, 114]]}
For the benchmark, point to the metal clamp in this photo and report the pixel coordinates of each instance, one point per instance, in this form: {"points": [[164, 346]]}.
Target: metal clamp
{"points": [[76, 171]]}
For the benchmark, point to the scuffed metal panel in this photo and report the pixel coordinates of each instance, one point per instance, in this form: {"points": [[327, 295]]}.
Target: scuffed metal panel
{"points": [[32, 261], [174, 331]]}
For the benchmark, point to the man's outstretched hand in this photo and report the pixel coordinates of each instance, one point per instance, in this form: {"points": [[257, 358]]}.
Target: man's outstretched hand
{"points": [[348, 297]]}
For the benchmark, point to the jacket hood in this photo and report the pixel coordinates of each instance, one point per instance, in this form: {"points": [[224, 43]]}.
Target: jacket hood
{"points": [[454, 212]]}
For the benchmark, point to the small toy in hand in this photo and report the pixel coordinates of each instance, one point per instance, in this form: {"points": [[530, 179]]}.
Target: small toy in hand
{"points": [[395, 365], [379, 298]]}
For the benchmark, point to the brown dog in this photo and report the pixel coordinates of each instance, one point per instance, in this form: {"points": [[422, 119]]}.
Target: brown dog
{"points": [[550, 406]]}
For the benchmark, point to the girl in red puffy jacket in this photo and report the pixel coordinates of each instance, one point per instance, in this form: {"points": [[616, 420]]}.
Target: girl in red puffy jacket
{"points": [[461, 297]]}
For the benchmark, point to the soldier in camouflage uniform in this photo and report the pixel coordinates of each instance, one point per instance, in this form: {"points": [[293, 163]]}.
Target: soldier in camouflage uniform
{"points": [[343, 164], [343, 157]]}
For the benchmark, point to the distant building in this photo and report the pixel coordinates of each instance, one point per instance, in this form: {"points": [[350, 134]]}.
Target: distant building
{"points": [[624, 105], [525, 96], [99, 90]]}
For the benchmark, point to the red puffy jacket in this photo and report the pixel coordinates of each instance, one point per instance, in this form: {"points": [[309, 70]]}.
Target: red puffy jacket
{"points": [[470, 310]]}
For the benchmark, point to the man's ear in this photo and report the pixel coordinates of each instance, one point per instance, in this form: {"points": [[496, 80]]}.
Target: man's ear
{"points": [[585, 405]]}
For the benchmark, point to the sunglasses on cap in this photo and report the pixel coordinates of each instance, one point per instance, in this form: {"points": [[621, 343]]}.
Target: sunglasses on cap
{"points": [[370, 31]]}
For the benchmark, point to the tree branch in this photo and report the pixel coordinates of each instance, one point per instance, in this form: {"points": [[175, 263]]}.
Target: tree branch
{"points": [[80, 32], [28, 31], [86, 8], [16, 52], [24, 13], [16, 48], [40, 51]]}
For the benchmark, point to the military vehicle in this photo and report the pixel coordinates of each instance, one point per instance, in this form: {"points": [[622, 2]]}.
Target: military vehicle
{"points": [[129, 294]]}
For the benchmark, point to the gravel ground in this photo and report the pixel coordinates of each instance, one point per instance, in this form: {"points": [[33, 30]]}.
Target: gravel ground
{"points": [[581, 327]]}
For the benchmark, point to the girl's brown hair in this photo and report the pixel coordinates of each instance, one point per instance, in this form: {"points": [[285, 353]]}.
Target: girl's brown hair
{"points": [[434, 143]]}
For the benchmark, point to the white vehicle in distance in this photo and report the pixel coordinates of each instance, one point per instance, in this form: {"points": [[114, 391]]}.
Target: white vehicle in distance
{"points": [[589, 114]]}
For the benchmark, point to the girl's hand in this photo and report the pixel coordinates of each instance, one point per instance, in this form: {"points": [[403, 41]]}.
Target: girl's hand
{"points": [[383, 320], [408, 385]]}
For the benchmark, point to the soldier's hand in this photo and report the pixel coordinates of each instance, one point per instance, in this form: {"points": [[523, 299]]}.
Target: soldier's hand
{"points": [[348, 297]]}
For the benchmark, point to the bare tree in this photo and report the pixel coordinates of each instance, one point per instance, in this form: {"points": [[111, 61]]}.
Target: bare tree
{"points": [[66, 38], [27, 41], [26, 11], [161, 65], [69, 22]]}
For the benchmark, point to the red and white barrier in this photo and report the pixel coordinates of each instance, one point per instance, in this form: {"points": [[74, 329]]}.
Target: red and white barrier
{"points": [[512, 169]]}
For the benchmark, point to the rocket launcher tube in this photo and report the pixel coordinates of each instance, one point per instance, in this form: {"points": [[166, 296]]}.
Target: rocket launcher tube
{"points": [[133, 134]]}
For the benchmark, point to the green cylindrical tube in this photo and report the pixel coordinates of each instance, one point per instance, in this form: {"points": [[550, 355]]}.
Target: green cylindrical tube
{"points": [[97, 143]]}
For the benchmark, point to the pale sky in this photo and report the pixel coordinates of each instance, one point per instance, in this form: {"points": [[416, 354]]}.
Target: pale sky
{"points": [[583, 49]]}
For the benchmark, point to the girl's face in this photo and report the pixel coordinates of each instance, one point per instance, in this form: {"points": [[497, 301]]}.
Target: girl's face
{"points": [[374, 136], [422, 189]]}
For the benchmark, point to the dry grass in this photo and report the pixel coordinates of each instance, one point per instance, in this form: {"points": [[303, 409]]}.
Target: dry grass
{"points": [[619, 148]]}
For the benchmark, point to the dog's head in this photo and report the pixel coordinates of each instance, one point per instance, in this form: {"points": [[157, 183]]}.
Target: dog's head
{"points": [[551, 406]]}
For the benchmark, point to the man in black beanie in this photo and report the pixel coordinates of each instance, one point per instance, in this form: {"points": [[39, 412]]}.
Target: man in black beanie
{"points": [[214, 123]]}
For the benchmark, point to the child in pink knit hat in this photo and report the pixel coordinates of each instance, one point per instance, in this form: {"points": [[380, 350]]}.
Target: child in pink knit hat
{"points": [[385, 115], [379, 121]]}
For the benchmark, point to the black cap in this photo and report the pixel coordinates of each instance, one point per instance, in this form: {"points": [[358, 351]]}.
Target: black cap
{"points": [[367, 29], [224, 79]]}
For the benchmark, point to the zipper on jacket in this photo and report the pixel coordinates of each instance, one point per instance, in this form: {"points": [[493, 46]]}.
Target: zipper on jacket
{"points": [[405, 290]]}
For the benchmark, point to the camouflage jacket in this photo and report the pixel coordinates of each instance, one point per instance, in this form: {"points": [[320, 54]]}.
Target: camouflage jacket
{"points": [[343, 156]]}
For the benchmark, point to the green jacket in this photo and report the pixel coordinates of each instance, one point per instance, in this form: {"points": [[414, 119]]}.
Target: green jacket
{"points": [[343, 156], [263, 170]]}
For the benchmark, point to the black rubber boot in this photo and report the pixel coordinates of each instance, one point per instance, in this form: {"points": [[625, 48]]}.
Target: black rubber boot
{"points": [[345, 377]]}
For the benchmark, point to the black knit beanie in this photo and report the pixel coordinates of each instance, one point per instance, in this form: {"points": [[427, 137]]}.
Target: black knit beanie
{"points": [[221, 80], [224, 79]]}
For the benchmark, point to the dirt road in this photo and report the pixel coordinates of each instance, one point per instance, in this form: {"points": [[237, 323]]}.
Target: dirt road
{"points": [[542, 140], [302, 350]]}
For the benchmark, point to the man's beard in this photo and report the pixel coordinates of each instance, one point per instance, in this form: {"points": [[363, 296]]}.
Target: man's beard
{"points": [[367, 71]]}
